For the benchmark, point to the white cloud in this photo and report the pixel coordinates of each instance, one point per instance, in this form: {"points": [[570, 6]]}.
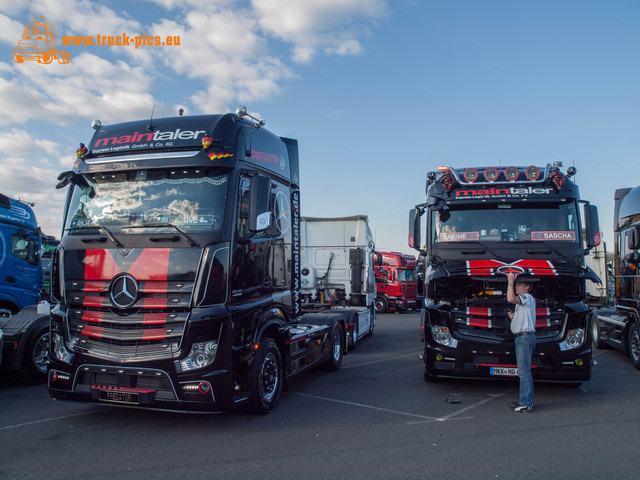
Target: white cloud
{"points": [[20, 142], [318, 24], [21, 179], [87, 87]]}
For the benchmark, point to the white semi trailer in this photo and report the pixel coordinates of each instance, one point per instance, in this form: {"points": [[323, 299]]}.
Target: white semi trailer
{"points": [[338, 270]]}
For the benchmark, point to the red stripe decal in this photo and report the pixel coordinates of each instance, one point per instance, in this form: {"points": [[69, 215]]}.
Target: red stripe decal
{"points": [[156, 287], [154, 318], [94, 287], [93, 302], [99, 265], [154, 334], [92, 331], [152, 264], [479, 322], [92, 316], [155, 303]]}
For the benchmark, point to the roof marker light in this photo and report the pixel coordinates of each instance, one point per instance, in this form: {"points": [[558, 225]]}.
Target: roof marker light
{"points": [[532, 172], [491, 174]]}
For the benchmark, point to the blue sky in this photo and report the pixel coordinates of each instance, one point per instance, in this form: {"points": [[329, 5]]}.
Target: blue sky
{"points": [[378, 93]]}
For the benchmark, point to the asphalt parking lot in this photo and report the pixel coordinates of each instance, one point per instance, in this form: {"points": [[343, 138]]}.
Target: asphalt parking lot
{"points": [[374, 418]]}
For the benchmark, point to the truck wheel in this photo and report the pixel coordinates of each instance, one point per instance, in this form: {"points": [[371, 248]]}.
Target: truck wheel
{"points": [[36, 357], [353, 338], [596, 342], [266, 377], [372, 320], [429, 376], [335, 362], [634, 345], [6, 311], [381, 305]]}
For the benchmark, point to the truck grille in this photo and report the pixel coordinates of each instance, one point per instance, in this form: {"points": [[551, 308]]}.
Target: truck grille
{"points": [[152, 327], [492, 322]]}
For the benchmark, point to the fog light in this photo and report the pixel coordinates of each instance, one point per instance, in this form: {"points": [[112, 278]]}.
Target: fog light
{"points": [[439, 357], [579, 362]]}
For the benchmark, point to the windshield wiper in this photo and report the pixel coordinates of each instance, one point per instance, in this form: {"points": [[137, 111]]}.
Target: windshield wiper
{"points": [[494, 253], [546, 244], [166, 225], [98, 227]]}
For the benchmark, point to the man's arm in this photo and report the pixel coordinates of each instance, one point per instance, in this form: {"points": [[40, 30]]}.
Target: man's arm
{"points": [[511, 290]]}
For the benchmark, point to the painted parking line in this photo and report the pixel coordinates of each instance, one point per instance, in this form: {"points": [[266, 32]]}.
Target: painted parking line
{"points": [[363, 405], [423, 418], [412, 354], [45, 420]]}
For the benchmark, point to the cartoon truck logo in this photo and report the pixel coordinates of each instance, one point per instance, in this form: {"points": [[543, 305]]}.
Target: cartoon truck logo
{"points": [[38, 43]]}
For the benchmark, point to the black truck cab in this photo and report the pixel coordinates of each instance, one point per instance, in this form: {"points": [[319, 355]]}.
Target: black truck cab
{"points": [[177, 276]]}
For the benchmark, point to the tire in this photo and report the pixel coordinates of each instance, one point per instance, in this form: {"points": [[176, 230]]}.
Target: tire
{"points": [[596, 342], [429, 376], [372, 321], [336, 344], [6, 311], [634, 345], [381, 304], [266, 377], [353, 338], [36, 357]]}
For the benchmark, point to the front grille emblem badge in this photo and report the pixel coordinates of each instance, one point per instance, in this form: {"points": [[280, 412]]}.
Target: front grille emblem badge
{"points": [[123, 291]]}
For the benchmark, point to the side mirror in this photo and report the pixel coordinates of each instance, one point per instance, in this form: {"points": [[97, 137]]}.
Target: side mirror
{"points": [[633, 238], [414, 228], [592, 226], [633, 258], [64, 179], [259, 214], [377, 258]]}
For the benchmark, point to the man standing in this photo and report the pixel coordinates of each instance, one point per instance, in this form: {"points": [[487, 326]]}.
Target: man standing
{"points": [[523, 322]]}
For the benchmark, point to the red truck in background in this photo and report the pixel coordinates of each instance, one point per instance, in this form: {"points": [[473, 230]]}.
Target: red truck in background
{"points": [[395, 281]]}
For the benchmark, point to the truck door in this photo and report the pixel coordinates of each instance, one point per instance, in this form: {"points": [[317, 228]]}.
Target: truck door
{"points": [[22, 270]]}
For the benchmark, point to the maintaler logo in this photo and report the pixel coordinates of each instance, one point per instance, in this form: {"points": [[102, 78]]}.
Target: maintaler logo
{"points": [[38, 43]]}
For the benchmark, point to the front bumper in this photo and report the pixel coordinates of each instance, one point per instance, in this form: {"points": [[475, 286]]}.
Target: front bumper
{"points": [[475, 360], [151, 387]]}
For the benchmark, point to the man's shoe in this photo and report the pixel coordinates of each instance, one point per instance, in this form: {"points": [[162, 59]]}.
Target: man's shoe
{"points": [[521, 408]]}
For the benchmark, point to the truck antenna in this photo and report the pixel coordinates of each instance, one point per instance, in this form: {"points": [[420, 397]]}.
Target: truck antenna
{"points": [[150, 127]]}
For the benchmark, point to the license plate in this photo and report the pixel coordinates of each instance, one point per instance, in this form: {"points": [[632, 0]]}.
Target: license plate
{"points": [[119, 397], [504, 371]]}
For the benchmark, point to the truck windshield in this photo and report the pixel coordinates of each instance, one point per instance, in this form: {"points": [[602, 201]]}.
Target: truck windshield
{"points": [[405, 275], [193, 200], [508, 223]]}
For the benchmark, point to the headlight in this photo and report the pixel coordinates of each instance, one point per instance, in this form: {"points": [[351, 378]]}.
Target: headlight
{"points": [[59, 349], [442, 335], [202, 355], [575, 339]]}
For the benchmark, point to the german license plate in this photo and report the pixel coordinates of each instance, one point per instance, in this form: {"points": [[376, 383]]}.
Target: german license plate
{"points": [[504, 371], [119, 397]]}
